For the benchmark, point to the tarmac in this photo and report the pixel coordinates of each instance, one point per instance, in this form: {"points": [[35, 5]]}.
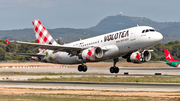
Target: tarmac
{"points": [[21, 81]]}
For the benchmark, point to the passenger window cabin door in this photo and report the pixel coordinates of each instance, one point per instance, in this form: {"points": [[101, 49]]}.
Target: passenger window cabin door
{"points": [[132, 34]]}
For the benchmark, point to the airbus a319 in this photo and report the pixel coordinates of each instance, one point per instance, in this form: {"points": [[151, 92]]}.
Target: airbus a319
{"points": [[131, 44]]}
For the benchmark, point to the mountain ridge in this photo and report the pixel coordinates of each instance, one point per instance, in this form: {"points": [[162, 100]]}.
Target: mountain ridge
{"points": [[170, 30]]}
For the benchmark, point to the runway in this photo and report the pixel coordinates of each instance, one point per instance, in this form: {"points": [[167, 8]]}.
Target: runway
{"points": [[20, 81], [162, 87], [139, 71]]}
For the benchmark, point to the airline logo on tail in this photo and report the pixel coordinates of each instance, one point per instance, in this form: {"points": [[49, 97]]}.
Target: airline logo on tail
{"points": [[168, 55], [42, 35]]}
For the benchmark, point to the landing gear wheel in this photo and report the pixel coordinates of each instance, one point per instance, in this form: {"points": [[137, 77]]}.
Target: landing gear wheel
{"points": [[112, 70], [116, 70], [82, 68], [85, 68]]}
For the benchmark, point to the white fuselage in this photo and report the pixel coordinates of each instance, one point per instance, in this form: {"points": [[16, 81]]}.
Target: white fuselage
{"points": [[114, 44]]}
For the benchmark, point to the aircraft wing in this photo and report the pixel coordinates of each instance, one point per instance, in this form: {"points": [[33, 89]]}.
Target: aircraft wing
{"points": [[71, 50]]}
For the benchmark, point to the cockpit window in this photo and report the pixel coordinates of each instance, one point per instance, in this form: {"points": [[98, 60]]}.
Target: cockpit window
{"points": [[148, 30], [143, 31], [152, 30]]}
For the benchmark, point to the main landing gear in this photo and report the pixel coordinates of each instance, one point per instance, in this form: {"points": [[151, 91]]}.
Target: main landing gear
{"points": [[82, 68], [114, 69]]}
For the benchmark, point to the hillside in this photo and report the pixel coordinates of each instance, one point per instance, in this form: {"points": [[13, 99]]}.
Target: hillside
{"points": [[170, 30], [118, 22], [65, 34]]}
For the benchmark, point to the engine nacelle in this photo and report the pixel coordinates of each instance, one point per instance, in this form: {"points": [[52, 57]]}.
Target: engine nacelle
{"points": [[92, 54], [138, 57]]}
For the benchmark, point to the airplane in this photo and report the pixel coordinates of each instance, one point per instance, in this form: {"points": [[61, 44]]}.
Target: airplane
{"points": [[130, 43], [170, 60]]}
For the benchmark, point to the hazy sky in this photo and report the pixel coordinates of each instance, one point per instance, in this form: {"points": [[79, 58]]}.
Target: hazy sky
{"points": [[18, 14]]}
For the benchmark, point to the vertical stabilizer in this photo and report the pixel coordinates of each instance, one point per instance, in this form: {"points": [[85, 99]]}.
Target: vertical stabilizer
{"points": [[168, 55], [42, 35]]}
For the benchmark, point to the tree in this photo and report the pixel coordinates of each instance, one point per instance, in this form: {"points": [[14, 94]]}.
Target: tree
{"points": [[23, 48], [3, 46], [2, 54], [154, 56], [11, 47]]}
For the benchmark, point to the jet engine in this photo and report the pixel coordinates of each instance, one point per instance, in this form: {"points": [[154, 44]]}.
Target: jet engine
{"points": [[139, 57], [91, 54]]}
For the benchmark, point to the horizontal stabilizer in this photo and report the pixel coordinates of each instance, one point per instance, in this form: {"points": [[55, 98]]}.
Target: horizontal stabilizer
{"points": [[28, 54]]}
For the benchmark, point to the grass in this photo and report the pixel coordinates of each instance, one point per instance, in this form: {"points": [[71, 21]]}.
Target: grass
{"points": [[65, 97], [116, 78], [156, 79]]}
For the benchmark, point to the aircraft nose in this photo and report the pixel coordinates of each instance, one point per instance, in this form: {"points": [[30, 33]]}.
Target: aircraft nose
{"points": [[158, 36]]}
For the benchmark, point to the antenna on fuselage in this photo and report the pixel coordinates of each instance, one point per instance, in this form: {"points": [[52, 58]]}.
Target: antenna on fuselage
{"points": [[137, 25]]}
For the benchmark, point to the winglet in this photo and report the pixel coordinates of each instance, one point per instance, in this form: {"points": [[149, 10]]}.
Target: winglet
{"points": [[7, 42], [168, 55]]}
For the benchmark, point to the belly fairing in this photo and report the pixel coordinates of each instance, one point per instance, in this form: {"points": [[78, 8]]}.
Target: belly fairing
{"points": [[65, 58]]}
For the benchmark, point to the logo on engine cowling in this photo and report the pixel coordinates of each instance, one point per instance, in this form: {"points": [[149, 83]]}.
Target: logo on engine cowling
{"points": [[138, 56], [90, 54], [118, 35]]}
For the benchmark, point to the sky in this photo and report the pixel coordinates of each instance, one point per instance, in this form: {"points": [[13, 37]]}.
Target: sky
{"points": [[18, 14]]}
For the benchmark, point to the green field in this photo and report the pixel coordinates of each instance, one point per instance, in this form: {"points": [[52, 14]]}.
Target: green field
{"points": [[91, 78], [155, 79]]}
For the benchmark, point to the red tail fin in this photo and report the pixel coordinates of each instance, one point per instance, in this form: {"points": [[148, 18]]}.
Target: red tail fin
{"points": [[168, 55]]}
